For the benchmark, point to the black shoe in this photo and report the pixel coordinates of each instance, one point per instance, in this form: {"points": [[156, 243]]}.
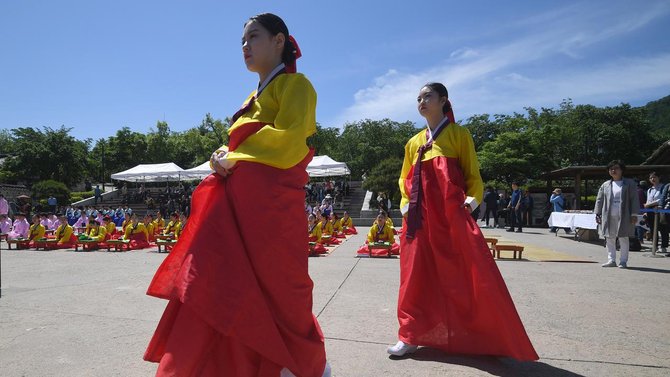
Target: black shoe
{"points": [[518, 231], [510, 230]]}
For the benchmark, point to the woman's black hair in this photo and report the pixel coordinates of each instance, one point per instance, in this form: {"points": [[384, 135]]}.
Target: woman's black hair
{"points": [[275, 25], [614, 163], [656, 174], [442, 91]]}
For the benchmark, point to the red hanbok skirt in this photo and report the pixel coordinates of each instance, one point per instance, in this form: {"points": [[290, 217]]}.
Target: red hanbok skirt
{"points": [[452, 296], [240, 297], [318, 248]]}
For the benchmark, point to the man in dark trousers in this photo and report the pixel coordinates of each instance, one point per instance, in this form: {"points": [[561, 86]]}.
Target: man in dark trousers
{"points": [[516, 209]]}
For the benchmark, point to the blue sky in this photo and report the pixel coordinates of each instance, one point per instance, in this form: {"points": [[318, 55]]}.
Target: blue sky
{"points": [[96, 66]]}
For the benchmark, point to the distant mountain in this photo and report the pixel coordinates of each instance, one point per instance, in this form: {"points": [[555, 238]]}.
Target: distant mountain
{"points": [[658, 113]]}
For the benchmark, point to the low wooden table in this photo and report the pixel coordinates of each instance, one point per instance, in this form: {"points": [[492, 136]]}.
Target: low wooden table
{"points": [[44, 244], [513, 248], [492, 245], [86, 245], [3, 236], [166, 244], [381, 245], [118, 245], [18, 243]]}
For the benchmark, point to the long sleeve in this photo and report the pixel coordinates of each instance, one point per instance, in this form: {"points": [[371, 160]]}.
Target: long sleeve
{"points": [[598, 208], [371, 233], [634, 200], [64, 234], [281, 144], [406, 167], [470, 166]]}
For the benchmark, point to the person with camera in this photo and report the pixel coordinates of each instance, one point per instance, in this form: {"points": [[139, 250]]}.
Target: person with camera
{"points": [[558, 202], [655, 201]]}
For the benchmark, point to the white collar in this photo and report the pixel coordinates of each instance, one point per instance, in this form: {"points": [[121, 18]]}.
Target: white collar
{"points": [[430, 133], [267, 80]]}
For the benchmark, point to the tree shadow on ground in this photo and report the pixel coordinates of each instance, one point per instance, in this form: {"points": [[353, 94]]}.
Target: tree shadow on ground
{"points": [[495, 366]]}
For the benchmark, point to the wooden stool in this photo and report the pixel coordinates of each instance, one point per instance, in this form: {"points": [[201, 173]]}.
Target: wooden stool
{"points": [[86, 245], [513, 248], [118, 245], [492, 245], [19, 244], [166, 244]]}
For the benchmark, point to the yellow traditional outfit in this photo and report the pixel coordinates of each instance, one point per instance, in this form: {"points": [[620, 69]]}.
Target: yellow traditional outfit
{"points": [[444, 253], [223, 244]]}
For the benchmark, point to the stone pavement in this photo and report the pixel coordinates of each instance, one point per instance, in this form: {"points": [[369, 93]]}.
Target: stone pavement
{"points": [[85, 314]]}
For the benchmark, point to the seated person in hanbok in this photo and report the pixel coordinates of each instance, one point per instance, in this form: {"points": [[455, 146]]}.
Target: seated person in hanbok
{"points": [[314, 231], [98, 232], [92, 222], [380, 232], [20, 227], [136, 233], [335, 221], [36, 232], [150, 225], [110, 227], [172, 225], [180, 226], [126, 221], [348, 224], [45, 221], [5, 224], [82, 222], [64, 235], [55, 221], [327, 230], [159, 223]]}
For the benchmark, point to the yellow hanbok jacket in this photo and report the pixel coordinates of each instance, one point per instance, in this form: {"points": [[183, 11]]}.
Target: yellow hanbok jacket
{"points": [[316, 232], [63, 233], [385, 236], [170, 228], [159, 223], [286, 122], [36, 232], [455, 141], [348, 223], [177, 230], [327, 229], [150, 228], [110, 227], [100, 234], [140, 228], [337, 225]]}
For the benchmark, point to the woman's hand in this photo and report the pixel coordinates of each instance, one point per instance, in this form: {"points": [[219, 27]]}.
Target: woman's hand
{"points": [[467, 207], [221, 164]]}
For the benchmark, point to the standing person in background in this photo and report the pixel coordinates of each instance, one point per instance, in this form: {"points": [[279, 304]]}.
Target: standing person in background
{"points": [[237, 281], [53, 203], [4, 205], [642, 188], [451, 291], [491, 200], [515, 207], [557, 200], [528, 203], [97, 193], [5, 224], [655, 201], [616, 212]]}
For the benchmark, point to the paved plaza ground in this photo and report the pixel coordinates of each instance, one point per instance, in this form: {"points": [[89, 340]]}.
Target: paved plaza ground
{"points": [[65, 313]]}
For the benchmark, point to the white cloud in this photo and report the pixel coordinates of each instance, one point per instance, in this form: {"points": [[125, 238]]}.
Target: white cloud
{"points": [[491, 79]]}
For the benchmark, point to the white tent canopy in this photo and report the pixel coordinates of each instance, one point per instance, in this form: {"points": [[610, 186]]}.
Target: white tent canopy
{"points": [[324, 166], [151, 173], [198, 172]]}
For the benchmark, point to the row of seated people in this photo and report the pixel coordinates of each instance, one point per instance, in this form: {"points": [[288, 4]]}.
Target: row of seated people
{"points": [[327, 231], [137, 233], [382, 235]]}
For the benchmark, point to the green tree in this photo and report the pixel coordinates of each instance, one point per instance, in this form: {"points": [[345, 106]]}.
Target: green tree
{"points": [[325, 141], [384, 177], [44, 189]]}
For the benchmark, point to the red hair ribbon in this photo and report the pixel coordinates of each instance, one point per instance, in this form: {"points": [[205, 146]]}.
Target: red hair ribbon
{"points": [[450, 113], [292, 67]]}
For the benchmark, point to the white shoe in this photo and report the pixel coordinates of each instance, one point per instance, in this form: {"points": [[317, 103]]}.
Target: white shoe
{"points": [[287, 373], [623, 265], [401, 349], [610, 264]]}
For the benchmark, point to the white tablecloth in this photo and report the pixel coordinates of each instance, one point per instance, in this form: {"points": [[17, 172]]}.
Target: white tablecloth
{"points": [[573, 220]]}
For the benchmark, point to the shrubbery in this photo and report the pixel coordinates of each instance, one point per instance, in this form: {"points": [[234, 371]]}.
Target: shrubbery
{"points": [[44, 189]]}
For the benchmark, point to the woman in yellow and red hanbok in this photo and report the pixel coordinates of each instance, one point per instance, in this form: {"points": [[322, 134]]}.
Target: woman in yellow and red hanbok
{"points": [[314, 231], [327, 233], [64, 235], [451, 295], [136, 233], [36, 233], [336, 222], [241, 298], [381, 232], [348, 224]]}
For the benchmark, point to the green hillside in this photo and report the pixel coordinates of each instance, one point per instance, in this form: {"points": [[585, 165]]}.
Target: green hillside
{"points": [[658, 113]]}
